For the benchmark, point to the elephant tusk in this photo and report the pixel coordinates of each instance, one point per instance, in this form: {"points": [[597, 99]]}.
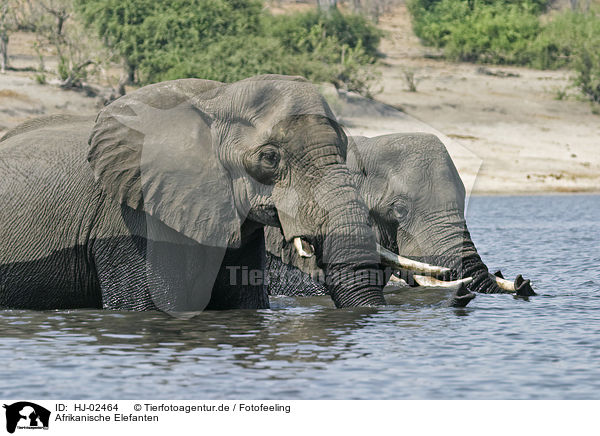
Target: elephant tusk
{"points": [[504, 284], [397, 281], [396, 261], [430, 281], [303, 248]]}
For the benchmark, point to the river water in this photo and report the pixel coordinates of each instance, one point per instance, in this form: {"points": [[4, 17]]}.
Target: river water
{"points": [[499, 347]]}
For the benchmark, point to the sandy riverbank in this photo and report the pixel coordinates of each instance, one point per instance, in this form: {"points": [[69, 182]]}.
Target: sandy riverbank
{"points": [[527, 140]]}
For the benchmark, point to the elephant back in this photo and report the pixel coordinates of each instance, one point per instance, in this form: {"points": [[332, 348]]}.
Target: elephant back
{"points": [[54, 120]]}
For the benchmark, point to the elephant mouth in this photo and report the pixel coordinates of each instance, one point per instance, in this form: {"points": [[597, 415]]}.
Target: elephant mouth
{"points": [[266, 215]]}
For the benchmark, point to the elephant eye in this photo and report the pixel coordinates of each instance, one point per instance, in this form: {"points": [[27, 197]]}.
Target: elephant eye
{"points": [[270, 158], [401, 212], [263, 164]]}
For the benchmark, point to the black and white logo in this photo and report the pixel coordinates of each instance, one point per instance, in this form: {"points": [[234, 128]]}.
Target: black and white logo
{"points": [[26, 415]]}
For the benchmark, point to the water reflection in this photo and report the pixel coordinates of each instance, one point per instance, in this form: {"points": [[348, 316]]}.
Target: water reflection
{"points": [[302, 333], [297, 335]]}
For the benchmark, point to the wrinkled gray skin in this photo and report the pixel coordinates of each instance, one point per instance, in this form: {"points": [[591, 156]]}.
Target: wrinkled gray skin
{"points": [[160, 202], [416, 201]]}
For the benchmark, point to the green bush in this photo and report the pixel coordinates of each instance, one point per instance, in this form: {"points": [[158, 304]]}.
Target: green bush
{"points": [[228, 40], [572, 39], [587, 65], [333, 47], [562, 38], [348, 29], [510, 32], [140, 30], [229, 59], [496, 32], [434, 21]]}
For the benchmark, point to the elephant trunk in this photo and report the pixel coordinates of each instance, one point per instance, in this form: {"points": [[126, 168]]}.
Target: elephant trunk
{"points": [[348, 255], [472, 266], [328, 231], [461, 257], [452, 247]]}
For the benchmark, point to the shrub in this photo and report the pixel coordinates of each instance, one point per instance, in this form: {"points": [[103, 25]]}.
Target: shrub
{"points": [[233, 58], [434, 20], [228, 40], [572, 39], [333, 47], [493, 33], [140, 30], [587, 65], [229, 59], [353, 30], [562, 37], [484, 32], [510, 32]]}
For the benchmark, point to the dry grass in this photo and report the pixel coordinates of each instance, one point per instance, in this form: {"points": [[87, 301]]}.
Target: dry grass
{"points": [[574, 190], [457, 136], [9, 93]]}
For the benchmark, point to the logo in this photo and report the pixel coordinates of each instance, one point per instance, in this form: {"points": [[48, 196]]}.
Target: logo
{"points": [[26, 415]]}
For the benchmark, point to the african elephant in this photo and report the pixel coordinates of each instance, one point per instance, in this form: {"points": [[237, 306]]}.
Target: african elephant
{"points": [[160, 201], [416, 202]]}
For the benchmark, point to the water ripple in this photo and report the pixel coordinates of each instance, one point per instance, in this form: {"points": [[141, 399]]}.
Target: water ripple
{"points": [[498, 347]]}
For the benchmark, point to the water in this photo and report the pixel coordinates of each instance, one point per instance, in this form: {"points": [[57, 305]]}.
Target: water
{"points": [[499, 347]]}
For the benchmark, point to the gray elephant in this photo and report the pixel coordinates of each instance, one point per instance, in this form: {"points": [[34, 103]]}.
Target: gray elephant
{"points": [[416, 201], [160, 201]]}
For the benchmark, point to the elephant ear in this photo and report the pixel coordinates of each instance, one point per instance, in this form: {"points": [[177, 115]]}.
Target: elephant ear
{"points": [[153, 150], [355, 160]]}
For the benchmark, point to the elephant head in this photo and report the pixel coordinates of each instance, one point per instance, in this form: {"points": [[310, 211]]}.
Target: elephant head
{"points": [[217, 161], [416, 202]]}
